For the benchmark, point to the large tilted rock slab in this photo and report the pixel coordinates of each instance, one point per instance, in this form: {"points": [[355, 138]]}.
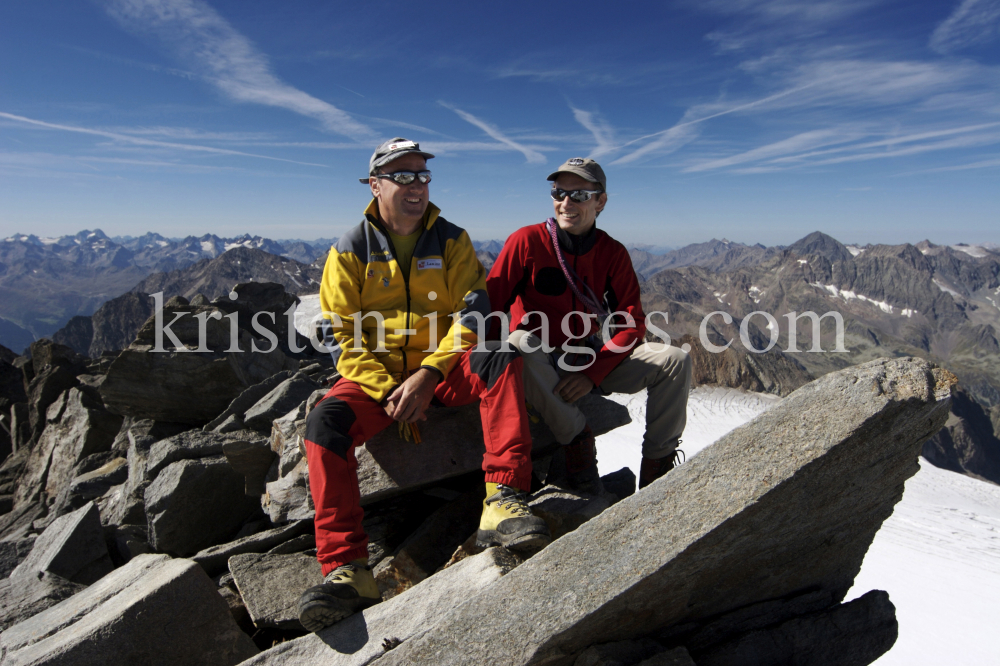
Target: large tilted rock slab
{"points": [[153, 611], [788, 502], [453, 445], [359, 639], [20, 598], [195, 504], [71, 547]]}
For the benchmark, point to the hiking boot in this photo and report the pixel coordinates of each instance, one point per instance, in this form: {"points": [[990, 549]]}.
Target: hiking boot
{"points": [[581, 463], [654, 468], [507, 521], [346, 590]]}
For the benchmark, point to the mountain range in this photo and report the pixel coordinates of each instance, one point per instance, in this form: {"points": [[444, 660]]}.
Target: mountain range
{"points": [[46, 281]]}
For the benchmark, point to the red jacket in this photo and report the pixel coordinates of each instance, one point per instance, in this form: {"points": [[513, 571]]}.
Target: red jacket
{"points": [[526, 277]]}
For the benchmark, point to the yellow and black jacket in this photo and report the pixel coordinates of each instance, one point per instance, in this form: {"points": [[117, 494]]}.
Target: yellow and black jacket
{"points": [[363, 276]]}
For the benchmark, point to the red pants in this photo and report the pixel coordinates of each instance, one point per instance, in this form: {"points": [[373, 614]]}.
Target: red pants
{"points": [[347, 417]]}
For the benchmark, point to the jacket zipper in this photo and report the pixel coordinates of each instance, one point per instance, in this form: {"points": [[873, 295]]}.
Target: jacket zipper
{"points": [[406, 286]]}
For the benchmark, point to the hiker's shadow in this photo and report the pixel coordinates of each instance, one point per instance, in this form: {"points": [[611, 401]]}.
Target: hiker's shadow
{"points": [[347, 636]]}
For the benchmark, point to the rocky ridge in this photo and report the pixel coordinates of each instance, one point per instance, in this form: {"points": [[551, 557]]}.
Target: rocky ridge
{"points": [[127, 511]]}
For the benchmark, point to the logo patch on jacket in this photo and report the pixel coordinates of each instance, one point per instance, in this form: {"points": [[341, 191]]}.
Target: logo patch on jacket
{"points": [[428, 263]]}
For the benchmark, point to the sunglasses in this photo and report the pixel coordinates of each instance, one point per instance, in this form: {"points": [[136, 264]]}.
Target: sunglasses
{"points": [[407, 177], [579, 196]]}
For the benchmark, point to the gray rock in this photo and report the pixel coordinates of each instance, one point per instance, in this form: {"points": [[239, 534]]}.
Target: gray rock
{"points": [[430, 546], [215, 559], [620, 653], [789, 501], [13, 551], [128, 541], [247, 399], [297, 545], [453, 445], [153, 611], [77, 426], [194, 504], [20, 426], [289, 498], [621, 484], [192, 445], [286, 396], [565, 510], [21, 598], [126, 505], [272, 584], [288, 439], [252, 459], [72, 547], [96, 483], [858, 632], [45, 388], [19, 522], [359, 639], [186, 386]]}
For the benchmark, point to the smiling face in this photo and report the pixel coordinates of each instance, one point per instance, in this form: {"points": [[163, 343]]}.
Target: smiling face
{"points": [[577, 218], [401, 206]]}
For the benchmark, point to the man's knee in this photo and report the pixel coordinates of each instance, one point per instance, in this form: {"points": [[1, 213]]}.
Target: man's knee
{"points": [[491, 363], [529, 345], [673, 359], [329, 425]]}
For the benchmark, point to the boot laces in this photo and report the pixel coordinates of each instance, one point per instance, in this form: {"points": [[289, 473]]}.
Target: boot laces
{"points": [[515, 502], [342, 573]]}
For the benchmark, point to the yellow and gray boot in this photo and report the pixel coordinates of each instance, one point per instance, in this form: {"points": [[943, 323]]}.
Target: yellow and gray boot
{"points": [[346, 590], [507, 521]]}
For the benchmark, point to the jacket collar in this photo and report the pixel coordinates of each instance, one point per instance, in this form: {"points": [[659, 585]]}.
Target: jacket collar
{"points": [[576, 245], [372, 214]]}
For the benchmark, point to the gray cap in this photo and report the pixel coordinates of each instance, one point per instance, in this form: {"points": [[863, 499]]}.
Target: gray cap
{"points": [[585, 168], [389, 150]]}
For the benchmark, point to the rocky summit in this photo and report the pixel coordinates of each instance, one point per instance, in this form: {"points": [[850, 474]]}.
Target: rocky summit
{"points": [[155, 509]]}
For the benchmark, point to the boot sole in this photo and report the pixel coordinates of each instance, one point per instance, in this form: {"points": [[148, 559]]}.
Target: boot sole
{"points": [[525, 542], [318, 614]]}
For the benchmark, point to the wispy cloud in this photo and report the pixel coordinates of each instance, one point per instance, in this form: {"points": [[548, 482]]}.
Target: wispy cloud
{"points": [[217, 52], [683, 132], [800, 150], [802, 141], [530, 154], [604, 134], [125, 138], [973, 22]]}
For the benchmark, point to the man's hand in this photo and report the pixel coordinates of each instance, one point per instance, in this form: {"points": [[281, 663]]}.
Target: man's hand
{"points": [[409, 400], [574, 386]]}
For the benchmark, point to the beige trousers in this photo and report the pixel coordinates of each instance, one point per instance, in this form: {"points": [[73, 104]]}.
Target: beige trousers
{"points": [[664, 373]]}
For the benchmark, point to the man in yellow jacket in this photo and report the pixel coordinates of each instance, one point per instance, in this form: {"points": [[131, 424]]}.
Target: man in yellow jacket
{"points": [[406, 299]]}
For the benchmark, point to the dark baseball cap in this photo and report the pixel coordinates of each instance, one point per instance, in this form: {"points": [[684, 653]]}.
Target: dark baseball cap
{"points": [[585, 168], [389, 150]]}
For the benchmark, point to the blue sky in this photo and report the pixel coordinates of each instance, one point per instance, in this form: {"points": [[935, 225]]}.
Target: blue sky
{"points": [[759, 121]]}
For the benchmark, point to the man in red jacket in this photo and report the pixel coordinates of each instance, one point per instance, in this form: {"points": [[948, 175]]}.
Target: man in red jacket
{"points": [[576, 317]]}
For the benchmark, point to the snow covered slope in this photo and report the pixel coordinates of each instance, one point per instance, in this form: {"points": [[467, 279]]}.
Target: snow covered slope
{"points": [[938, 555]]}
